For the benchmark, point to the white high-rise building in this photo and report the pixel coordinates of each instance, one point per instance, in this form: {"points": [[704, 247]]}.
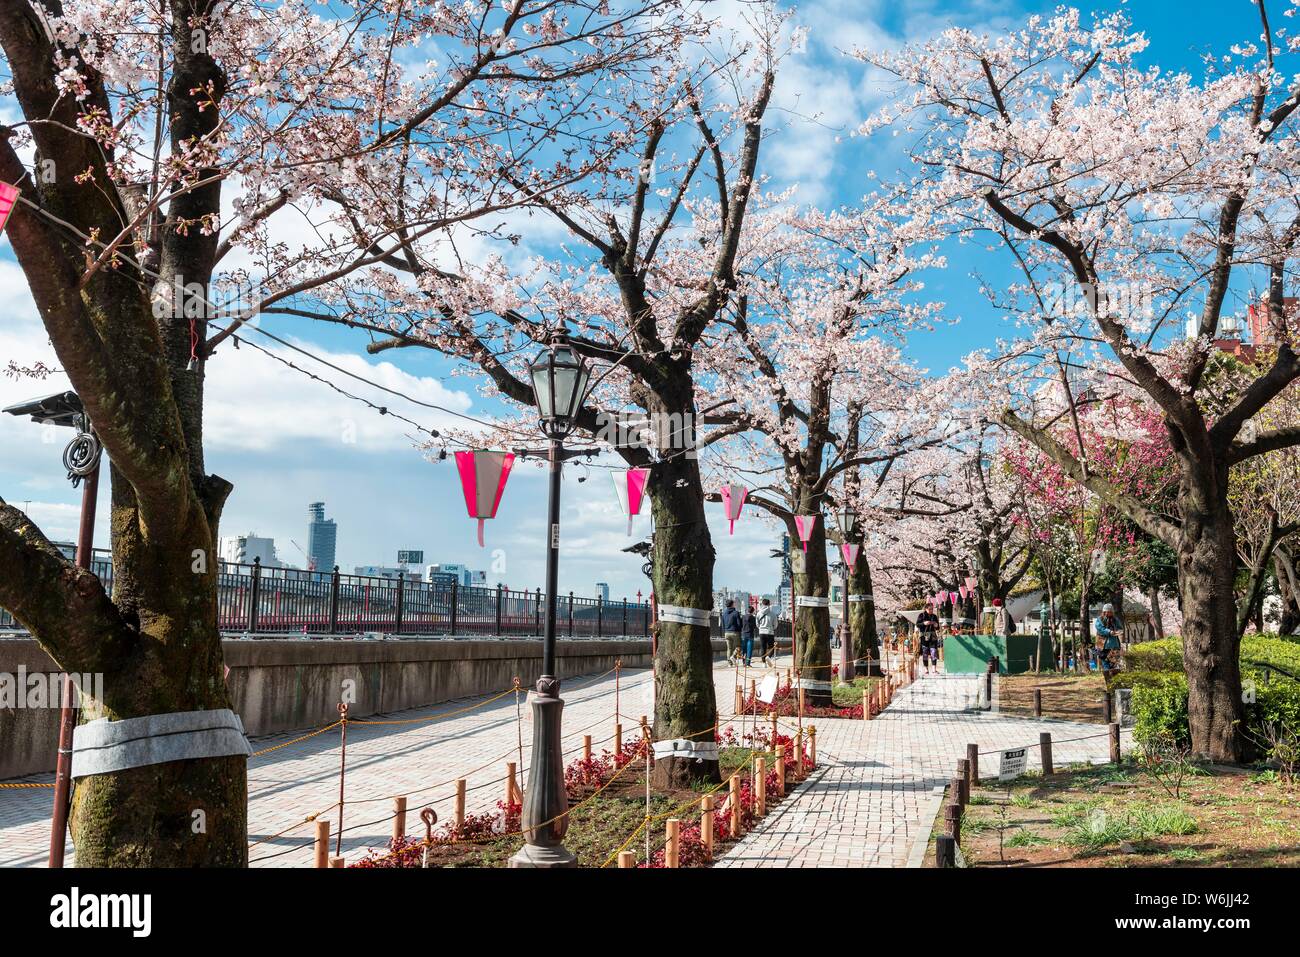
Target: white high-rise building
{"points": [[244, 549]]}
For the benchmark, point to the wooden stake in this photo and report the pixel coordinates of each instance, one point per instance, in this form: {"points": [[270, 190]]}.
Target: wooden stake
{"points": [[672, 850], [1038, 702], [322, 843], [1114, 744], [773, 741], [618, 738], [706, 824], [586, 747], [973, 763], [798, 754], [399, 817], [812, 745], [760, 786], [336, 862], [735, 806], [627, 858], [740, 700], [866, 705], [780, 772], [511, 787], [801, 700], [1045, 748], [460, 805]]}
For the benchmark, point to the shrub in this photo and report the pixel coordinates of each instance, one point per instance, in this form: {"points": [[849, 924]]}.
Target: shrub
{"points": [[1154, 670]]}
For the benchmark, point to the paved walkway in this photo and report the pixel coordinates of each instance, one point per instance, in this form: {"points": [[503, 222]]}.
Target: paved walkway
{"points": [[880, 784], [869, 805]]}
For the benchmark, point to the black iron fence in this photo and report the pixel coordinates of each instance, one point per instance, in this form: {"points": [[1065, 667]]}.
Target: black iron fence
{"points": [[255, 600]]}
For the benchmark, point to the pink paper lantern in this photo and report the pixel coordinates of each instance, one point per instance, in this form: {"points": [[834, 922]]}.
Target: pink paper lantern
{"points": [[963, 591], [630, 486], [850, 552], [733, 500], [483, 475], [804, 524], [8, 200], [953, 595], [971, 583]]}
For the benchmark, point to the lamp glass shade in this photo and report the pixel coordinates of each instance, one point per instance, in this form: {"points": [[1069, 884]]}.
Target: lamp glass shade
{"points": [[848, 520], [560, 378]]}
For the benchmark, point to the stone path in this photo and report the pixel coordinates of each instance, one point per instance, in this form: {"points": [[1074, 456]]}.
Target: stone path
{"points": [[868, 806], [880, 784]]}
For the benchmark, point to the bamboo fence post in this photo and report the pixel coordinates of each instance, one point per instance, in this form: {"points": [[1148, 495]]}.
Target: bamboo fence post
{"points": [[322, 843], [760, 786], [706, 824], [618, 738], [627, 858], [586, 747], [672, 849], [336, 862], [399, 817], [460, 805], [735, 807], [812, 745], [866, 705]]}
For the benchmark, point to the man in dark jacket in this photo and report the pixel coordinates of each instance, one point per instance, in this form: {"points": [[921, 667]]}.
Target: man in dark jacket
{"points": [[748, 632], [731, 630]]}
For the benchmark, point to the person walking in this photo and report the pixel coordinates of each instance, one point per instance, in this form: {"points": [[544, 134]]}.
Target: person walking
{"points": [[731, 631], [1003, 624], [1107, 628], [748, 632], [766, 631], [927, 627]]}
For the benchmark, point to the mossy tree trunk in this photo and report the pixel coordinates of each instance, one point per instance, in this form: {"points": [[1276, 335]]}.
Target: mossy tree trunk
{"points": [[155, 640]]}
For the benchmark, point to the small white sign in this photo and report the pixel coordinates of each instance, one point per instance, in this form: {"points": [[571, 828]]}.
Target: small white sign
{"points": [[555, 535], [767, 688], [1012, 764]]}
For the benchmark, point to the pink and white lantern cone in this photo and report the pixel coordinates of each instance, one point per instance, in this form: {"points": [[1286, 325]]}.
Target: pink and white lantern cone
{"points": [[8, 200], [483, 475], [850, 552], [733, 500], [804, 524], [630, 486], [963, 591]]}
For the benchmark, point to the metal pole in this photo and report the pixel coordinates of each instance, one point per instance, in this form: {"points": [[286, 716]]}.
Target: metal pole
{"points": [[67, 706], [546, 804]]}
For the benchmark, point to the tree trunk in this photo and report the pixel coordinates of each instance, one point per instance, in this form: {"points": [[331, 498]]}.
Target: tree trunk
{"points": [[685, 706], [1157, 619], [1288, 590], [862, 621], [1207, 566], [812, 625]]}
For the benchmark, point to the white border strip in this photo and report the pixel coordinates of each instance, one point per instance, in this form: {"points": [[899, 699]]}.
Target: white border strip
{"points": [[862, 598], [684, 616], [813, 684], [686, 748], [104, 746], [811, 601]]}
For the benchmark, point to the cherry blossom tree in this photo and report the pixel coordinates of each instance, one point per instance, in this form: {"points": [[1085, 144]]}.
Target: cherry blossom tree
{"points": [[1128, 197], [650, 263], [160, 148], [809, 361]]}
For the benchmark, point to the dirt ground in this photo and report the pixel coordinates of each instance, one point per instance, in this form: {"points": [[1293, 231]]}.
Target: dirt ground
{"points": [[1111, 816], [1078, 697]]}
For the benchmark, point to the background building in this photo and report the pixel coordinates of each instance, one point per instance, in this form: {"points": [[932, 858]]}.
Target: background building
{"points": [[244, 549], [386, 571], [322, 538], [602, 591], [452, 571]]}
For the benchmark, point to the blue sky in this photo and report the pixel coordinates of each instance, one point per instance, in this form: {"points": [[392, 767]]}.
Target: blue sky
{"points": [[286, 441]]}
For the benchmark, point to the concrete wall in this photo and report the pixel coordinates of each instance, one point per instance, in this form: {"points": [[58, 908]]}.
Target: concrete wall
{"points": [[293, 684]]}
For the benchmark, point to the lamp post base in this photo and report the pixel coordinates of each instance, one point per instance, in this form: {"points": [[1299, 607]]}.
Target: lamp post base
{"points": [[531, 855], [544, 818]]}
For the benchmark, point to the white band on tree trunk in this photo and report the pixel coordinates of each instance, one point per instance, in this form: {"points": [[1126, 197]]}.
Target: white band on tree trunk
{"points": [[686, 748], [812, 684], [862, 598], [812, 601], [104, 746], [684, 616]]}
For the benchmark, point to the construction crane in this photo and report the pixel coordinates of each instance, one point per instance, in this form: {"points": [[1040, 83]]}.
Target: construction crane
{"points": [[311, 562]]}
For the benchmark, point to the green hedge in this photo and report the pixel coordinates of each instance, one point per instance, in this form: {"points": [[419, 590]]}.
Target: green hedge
{"points": [[1154, 670]]}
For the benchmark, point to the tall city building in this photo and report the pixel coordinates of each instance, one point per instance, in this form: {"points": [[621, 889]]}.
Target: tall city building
{"points": [[322, 537], [602, 591]]}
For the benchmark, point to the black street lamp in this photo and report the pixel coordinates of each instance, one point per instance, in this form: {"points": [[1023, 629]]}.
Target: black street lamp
{"points": [[81, 459], [848, 522], [560, 378]]}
